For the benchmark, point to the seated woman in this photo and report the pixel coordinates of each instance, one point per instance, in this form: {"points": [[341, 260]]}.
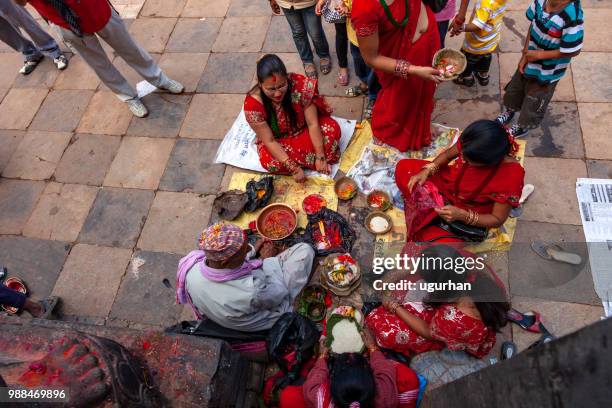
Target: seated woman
{"points": [[292, 121], [349, 380], [226, 283], [456, 319], [479, 187]]}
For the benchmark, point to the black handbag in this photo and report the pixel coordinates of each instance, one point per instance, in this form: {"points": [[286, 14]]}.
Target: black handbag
{"points": [[463, 231]]}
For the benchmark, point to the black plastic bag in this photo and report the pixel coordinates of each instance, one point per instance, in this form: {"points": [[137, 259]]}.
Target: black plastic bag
{"points": [[253, 187], [435, 5], [208, 328], [292, 332], [347, 234], [230, 204]]}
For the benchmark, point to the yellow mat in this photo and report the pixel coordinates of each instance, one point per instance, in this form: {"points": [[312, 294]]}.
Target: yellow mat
{"points": [[287, 191]]}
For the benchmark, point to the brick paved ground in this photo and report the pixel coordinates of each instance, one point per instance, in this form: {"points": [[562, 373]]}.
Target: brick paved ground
{"points": [[97, 206]]}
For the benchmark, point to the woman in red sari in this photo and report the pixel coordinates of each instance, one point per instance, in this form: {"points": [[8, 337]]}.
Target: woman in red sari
{"points": [[479, 187], [399, 38], [292, 121]]}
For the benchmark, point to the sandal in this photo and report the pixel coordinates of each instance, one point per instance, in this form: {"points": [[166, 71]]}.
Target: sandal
{"points": [[310, 70], [343, 79], [528, 189], [48, 305], [367, 112], [325, 66], [482, 80], [468, 81], [554, 252], [508, 350], [546, 337], [354, 91], [530, 321]]}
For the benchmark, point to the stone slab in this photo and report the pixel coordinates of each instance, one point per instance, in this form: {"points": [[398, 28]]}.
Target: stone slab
{"points": [[139, 163], [116, 217], [90, 279], [9, 140], [152, 33], [514, 31], [535, 277], [599, 168], [10, 64], [87, 159], [105, 115], [461, 113], [19, 107], [39, 271], [593, 77], [229, 73], [554, 199], [595, 122], [559, 134], [142, 296], [37, 155], [78, 76], [596, 39], [211, 115], [241, 34], [3, 92], [347, 108], [191, 169], [194, 35], [129, 73], [17, 201], [42, 77], [279, 38], [60, 212], [166, 114], [181, 216], [62, 110], [186, 68], [247, 8], [162, 8], [205, 8]]}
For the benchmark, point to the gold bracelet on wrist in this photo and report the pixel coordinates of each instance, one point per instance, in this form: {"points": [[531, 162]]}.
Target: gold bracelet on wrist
{"points": [[432, 168], [402, 68]]}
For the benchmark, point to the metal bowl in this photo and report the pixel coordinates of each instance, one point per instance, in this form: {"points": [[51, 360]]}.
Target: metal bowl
{"points": [[455, 56], [17, 285], [388, 204], [271, 209], [343, 182], [378, 214]]}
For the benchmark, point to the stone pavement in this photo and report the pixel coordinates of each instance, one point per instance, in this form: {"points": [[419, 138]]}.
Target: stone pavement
{"points": [[98, 206]]}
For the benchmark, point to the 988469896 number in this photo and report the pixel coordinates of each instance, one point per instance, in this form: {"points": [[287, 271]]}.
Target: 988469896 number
{"points": [[8, 394]]}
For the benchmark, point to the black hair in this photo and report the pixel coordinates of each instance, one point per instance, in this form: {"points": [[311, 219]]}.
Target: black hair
{"points": [[267, 66], [351, 380], [485, 142], [490, 299]]}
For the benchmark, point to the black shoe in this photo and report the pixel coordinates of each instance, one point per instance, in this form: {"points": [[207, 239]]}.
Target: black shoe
{"points": [[505, 117], [482, 80], [518, 131], [468, 81]]}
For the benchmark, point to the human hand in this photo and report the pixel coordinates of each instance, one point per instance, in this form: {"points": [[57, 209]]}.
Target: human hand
{"points": [[275, 7], [532, 55], [522, 64], [450, 213], [299, 176], [343, 10], [319, 7], [267, 250], [323, 350], [426, 73], [390, 304], [456, 25], [368, 338], [322, 166], [419, 178], [259, 243], [22, 3]]}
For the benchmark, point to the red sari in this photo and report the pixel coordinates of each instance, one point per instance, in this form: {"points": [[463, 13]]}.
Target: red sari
{"points": [[458, 184], [296, 141], [402, 113]]}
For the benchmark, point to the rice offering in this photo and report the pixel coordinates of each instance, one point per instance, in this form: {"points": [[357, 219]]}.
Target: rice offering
{"points": [[345, 331], [379, 224], [342, 271]]}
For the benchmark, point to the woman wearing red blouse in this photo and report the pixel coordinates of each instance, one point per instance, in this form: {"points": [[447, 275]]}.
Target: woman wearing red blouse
{"points": [[292, 121]]}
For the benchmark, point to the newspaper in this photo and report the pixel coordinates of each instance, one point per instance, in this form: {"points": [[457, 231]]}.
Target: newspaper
{"points": [[595, 203]]}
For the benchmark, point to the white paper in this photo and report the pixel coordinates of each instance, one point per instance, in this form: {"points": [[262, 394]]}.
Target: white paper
{"points": [[144, 88], [595, 203], [238, 146]]}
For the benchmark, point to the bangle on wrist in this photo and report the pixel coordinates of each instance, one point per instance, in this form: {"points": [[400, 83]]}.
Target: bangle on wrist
{"points": [[432, 168], [402, 68]]}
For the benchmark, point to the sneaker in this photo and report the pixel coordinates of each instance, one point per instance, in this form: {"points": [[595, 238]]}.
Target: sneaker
{"points": [[137, 107], [29, 66], [172, 86], [468, 81], [505, 117], [518, 131], [61, 62]]}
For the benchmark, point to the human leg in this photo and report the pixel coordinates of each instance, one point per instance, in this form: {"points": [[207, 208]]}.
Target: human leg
{"points": [[361, 69], [314, 27], [514, 95], [296, 264], [481, 69], [299, 33], [442, 29], [535, 104], [341, 44], [467, 76]]}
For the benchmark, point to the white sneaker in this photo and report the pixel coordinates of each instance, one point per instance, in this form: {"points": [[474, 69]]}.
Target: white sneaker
{"points": [[137, 107], [29, 66], [172, 86], [61, 62]]}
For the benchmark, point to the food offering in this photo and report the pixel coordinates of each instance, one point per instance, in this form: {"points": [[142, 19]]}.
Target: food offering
{"points": [[379, 200], [340, 274], [378, 222], [346, 188], [344, 330], [313, 203], [276, 221], [450, 63]]}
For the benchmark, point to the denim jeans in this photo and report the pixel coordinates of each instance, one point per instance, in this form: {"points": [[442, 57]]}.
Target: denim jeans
{"points": [[365, 73], [302, 22], [442, 30]]}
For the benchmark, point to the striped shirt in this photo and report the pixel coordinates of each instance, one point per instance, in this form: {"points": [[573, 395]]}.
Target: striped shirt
{"points": [[562, 31], [487, 16]]}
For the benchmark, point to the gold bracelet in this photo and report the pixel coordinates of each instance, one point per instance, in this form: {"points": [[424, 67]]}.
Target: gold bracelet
{"points": [[475, 218], [432, 167], [401, 68]]}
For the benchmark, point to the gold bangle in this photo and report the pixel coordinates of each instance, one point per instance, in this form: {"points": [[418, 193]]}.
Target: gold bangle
{"points": [[475, 218], [432, 168]]}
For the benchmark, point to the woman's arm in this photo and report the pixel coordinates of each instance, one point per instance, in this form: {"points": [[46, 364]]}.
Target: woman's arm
{"points": [[265, 135], [440, 161], [316, 137], [317, 376], [495, 219], [416, 324]]}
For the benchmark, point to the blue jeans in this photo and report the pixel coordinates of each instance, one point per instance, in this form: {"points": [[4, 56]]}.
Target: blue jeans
{"points": [[442, 30], [10, 297], [365, 73], [302, 22]]}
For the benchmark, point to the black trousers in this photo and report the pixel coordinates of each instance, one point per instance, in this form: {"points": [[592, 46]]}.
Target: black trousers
{"points": [[479, 63]]}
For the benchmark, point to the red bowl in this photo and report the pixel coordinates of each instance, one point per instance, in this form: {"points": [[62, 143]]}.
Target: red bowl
{"points": [[273, 211]]}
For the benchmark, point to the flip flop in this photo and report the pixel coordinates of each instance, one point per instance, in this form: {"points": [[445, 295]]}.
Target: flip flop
{"points": [[546, 338], [49, 305], [528, 189], [508, 350], [554, 252], [530, 321], [343, 79], [325, 66], [310, 70], [354, 91]]}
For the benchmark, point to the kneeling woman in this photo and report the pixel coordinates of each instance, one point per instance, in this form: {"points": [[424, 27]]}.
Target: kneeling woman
{"points": [[479, 188], [292, 121]]}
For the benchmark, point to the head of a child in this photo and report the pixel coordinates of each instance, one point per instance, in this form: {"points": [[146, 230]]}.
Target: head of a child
{"points": [[351, 381], [485, 143]]}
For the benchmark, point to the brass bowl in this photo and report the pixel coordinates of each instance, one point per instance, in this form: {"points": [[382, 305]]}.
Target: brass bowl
{"points": [[387, 200], [341, 183], [270, 209], [456, 57], [381, 214]]}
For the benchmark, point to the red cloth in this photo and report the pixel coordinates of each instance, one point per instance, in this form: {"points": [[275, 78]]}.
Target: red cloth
{"points": [[93, 14], [505, 187], [449, 328], [402, 113], [296, 142]]}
